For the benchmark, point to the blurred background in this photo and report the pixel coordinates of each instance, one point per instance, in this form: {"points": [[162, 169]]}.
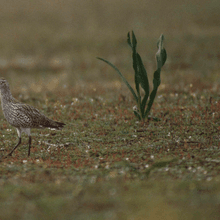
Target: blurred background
{"points": [[52, 45]]}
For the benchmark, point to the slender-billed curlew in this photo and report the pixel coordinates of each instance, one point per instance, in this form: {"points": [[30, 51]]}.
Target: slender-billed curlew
{"points": [[22, 116]]}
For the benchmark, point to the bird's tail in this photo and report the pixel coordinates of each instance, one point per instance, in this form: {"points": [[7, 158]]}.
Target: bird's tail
{"points": [[60, 125], [56, 125]]}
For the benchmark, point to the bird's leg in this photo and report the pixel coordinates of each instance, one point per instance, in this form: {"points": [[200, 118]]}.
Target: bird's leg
{"points": [[19, 141], [29, 150]]}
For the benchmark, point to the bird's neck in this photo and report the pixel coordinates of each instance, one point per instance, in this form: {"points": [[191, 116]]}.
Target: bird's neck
{"points": [[6, 95]]}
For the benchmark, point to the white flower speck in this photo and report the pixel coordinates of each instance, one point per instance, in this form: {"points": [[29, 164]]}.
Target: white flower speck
{"points": [[209, 179], [135, 108]]}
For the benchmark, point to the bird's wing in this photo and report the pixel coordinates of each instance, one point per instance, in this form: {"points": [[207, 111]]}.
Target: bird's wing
{"points": [[26, 116]]}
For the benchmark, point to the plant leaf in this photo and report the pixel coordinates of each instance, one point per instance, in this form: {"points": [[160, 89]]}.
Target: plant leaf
{"points": [[143, 80], [122, 77], [129, 40], [135, 67], [134, 40], [142, 75], [156, 83], [161, 54], [143, 104], [154, 118], [161, 57], [137, 114], [135, 63]]}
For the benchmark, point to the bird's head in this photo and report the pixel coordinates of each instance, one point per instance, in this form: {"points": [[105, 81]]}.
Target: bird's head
{"points": [[4, 87], [3, 82]]}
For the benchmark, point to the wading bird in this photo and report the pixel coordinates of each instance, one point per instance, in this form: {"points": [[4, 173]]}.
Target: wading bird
{"points": [[22, 116]]}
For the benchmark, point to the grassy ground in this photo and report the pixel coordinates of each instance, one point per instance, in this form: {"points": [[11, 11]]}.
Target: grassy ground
{"points": [[105, 164]]}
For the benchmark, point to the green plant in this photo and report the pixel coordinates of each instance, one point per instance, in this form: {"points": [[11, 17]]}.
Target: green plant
{"points": [[141, 79]]}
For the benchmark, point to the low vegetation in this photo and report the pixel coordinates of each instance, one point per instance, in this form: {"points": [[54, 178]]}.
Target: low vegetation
{"points": [[105, 164]]}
